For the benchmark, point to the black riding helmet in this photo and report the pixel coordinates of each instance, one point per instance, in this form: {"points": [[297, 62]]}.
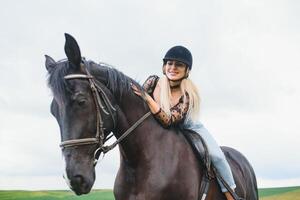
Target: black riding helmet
{"points": [[181, 54]]}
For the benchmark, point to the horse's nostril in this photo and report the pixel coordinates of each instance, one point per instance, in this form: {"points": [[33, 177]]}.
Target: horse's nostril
{"points": [[77, 180], [80, 185]]}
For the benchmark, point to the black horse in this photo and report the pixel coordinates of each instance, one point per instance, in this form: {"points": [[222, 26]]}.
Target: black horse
{"points": [[90, 101]]}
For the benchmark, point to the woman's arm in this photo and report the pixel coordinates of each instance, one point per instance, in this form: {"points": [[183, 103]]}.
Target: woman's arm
{"points": [[178, 112]]}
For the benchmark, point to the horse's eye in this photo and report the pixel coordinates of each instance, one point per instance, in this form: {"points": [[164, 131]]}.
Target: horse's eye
{"points": [[81, 102]]}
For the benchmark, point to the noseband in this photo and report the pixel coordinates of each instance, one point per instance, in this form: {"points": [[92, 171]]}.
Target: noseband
{"points": [[102, 103]]}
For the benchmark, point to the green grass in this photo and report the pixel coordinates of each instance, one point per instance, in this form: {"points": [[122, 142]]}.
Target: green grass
{"points": [[286, 193], [54, 195], [264, 192]]}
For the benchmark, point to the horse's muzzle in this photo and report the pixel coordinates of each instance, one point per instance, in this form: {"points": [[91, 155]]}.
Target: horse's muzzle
{"points": [[80, 185]]}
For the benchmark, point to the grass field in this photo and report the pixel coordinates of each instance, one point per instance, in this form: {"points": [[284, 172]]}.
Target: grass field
{"points": [[54, 195], [288, 193]]}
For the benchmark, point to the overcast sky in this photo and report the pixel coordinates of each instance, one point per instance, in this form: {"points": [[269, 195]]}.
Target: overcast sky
{"points": [[246, 64]]}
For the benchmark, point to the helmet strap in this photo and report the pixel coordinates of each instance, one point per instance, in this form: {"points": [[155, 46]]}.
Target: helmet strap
{"points": [[187, 72], [164, 70]]}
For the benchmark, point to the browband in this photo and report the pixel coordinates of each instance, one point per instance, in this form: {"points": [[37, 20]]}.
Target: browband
{"points": [[73, 76]]}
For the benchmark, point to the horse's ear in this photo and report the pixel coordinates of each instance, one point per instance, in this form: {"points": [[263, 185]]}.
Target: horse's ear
{"points": [[72, 50], [49, 63]]}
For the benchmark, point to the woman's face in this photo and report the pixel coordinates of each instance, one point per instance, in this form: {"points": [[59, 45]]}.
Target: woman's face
{"points": [[175, 70]]}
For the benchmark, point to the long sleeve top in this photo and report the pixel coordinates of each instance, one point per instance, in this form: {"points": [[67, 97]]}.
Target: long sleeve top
{"points": [[178, 111]]}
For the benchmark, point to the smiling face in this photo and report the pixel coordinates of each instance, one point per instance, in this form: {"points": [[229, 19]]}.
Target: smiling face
{"points": [[175, 70]]}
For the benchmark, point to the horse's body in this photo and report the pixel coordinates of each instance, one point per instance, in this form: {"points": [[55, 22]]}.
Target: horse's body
{"points": [[156, 163]]}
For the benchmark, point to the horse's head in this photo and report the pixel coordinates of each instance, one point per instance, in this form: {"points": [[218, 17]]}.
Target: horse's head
{"points": [[84, 109]]}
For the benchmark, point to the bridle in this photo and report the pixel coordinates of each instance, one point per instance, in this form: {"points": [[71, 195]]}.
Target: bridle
{"points": [[102, 103]]}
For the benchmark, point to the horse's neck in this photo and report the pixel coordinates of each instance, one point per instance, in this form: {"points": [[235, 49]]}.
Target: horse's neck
{"points": [[131, 109], [134, 145]]}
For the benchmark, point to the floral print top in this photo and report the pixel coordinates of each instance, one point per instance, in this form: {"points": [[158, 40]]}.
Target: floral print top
{"points": [[178, 111]]}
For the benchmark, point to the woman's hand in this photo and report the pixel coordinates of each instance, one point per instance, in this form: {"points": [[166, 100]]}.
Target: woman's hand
{"points": [[153, 106], [145, 96]]}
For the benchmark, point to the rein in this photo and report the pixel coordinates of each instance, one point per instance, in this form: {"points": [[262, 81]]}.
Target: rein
{"points": [[101, 102]]}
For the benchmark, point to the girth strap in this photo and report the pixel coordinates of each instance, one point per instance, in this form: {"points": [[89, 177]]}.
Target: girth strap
{"points": [[231, 191]]}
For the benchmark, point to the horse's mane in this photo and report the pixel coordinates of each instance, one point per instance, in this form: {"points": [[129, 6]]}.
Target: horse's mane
{"points": [[117, 82]]}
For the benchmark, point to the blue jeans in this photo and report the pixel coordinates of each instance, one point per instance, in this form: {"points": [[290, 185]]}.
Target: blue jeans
{"points": [[215, 152]]}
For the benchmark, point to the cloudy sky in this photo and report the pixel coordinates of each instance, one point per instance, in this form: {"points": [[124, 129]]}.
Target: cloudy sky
{"points": [[246, 64]]}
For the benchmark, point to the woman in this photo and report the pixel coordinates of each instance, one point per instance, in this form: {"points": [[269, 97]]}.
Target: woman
{"points": [[174, 100]]}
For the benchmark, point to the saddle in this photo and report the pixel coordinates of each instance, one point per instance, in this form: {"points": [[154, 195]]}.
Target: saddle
{"points": [[200, 149]]}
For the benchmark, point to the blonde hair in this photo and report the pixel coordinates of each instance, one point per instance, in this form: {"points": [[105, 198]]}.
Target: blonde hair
{"points": [[186, 86]]}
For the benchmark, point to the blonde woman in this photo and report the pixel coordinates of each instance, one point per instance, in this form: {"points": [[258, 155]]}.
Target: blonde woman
{"points": [[174, 100]]}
